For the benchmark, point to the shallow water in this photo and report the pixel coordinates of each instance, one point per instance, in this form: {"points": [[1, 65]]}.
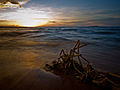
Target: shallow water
{"points": [[33, 47], [25, 51]]}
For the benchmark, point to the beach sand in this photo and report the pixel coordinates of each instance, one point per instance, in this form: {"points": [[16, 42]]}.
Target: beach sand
{"points": [[39, 80], [21, 67]]}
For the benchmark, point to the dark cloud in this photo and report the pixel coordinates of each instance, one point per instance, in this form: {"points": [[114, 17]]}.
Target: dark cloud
{"points": [[6, 21], [52, 22], [3, 21], [4, 3]]}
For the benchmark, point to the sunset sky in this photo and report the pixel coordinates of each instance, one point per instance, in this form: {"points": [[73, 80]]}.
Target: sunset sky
{"points": [[59, 13]]}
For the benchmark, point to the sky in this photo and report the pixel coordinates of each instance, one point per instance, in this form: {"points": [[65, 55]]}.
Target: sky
{"points": [[30, 13]]}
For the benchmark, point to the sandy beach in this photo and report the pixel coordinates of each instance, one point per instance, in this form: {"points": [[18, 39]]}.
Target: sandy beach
{"points": [[40, 80], [23, 54], [22, 69]]}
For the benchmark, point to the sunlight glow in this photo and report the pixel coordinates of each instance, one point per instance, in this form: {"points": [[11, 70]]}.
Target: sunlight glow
{"points": [[32, 18], [32, 22], [28, 17]]}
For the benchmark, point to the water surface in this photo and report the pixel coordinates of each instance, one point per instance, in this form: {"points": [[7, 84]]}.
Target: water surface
{"points": [[33, 47], [25, 51]]}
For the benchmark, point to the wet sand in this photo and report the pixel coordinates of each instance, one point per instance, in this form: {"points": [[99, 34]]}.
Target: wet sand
{"points": [[22, 62], [39, 80]]}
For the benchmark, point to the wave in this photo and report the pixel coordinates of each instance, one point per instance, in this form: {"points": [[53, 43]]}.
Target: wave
{"points": [[69, 29], [11, 34], [104, 33]]}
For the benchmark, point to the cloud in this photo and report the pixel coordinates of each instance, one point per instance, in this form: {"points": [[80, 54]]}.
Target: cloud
{"points": [[91, 22], [12, 3], [3, 21], [7, 23], [53, 22], [60, 16], [106, 21]]}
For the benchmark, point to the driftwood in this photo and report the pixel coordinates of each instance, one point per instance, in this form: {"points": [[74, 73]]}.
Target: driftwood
{"points": [[75, 64]]}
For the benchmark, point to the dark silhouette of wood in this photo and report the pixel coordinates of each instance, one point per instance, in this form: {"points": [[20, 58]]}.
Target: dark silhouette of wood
{"points": [[81, 68]]}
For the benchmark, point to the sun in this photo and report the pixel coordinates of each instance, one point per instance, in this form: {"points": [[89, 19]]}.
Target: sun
{"points": [[32, 22]]}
